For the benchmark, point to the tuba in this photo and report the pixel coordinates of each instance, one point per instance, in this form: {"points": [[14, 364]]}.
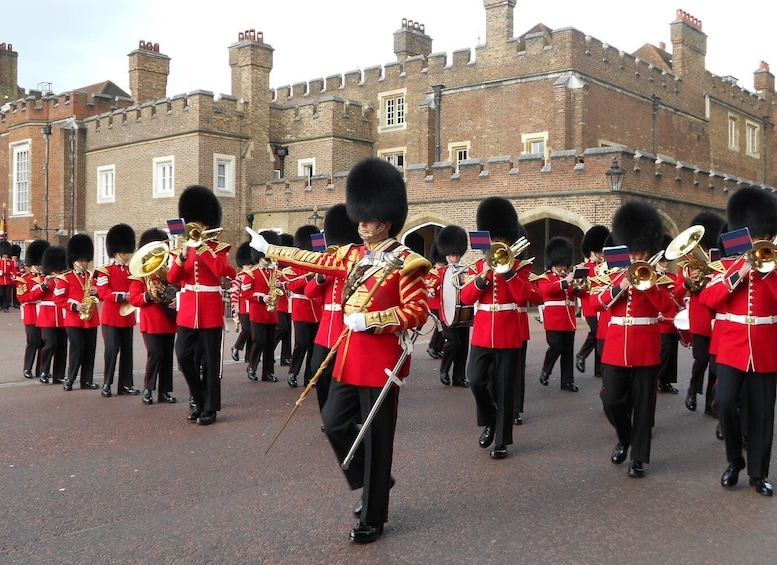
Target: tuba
{"points": [[686, 246], [88, 301], [150, 264]]}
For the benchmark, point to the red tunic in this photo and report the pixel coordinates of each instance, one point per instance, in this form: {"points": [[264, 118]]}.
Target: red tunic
{"points": [[155, 318], [201, 305], [113, 281], [24, 285], [8, 271], [587, 308], [433, 282], [331, 293], [497, 317], [241, 286], [259, 289], [399, 304], [666, 325], [50, 315], [559, 301], [303, 309], [69, 292]]}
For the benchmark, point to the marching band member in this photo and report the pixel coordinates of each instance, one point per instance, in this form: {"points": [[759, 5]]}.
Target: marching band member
{"points": [[524, 332], [51, 317], [24, 284], [433, 287], [591, 246], [199, 269], [262, 312], [559, 298], [670, 339], [240, 300], [746, 363], [305, 313], [452, 244], [632, 350], [156, 301], [76, 293], [283, 330], [113, 289], [339, 230], [7, 275], [494, 353], [376, 198]]}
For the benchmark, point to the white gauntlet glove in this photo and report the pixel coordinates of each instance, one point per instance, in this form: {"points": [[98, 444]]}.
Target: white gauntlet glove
{"points": [[356, 322], [257, 241]]}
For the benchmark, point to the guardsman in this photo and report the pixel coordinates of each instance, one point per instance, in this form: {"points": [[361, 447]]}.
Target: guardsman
{"points": [[199, 268], [376, 198], [433, 288], [263, 291], [283, 331], [591, 246], [6, 275], [51, 317], [24, 284], [240, 300]]}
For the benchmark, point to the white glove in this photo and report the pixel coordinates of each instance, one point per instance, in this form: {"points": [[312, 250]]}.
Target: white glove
{"points": [[356, 322], [257, 241]]}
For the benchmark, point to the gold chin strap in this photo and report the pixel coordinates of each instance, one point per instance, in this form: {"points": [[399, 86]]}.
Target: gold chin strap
{"points": [[377, 230]]}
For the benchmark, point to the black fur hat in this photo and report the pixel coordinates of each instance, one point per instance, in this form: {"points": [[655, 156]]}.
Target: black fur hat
{"points": [[755, 209], [559, 251], [711, 223], [5, 248], [16, 250], [452, 240], [271, 237], [80, 247], [593, 240], [198, 204], [375, 191], [638, 226], [34, 253], [497, 216], [287, 240], [152, 234], [120, 239], [338, 227], [54, 260], [434, 254], [302, 237], [243, 255]]}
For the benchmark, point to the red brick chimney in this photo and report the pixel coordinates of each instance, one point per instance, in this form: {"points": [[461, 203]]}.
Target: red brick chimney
{"points": [[148, 72]]}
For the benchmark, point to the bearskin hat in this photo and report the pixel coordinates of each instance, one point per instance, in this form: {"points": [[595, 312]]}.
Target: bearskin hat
{"points": [[755, 209], [666, 241], [120, 239], [593, 240], [152, 234], [338, 227], [638, 226], [375, 191], [80, 247], [434, 254], [16, 250], [302, 237], [54, 260], [559, 251], [287, 240], [271, 237], [452, 240], [497, 216], [5, 248], [34, 254], [243, 255], [711, 223], [198, 204]]}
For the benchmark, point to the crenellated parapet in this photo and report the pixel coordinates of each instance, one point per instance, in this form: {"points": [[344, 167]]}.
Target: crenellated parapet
{"points": [[322, 117], [37, 106]]}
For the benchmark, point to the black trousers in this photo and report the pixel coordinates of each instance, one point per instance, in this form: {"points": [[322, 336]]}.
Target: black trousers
{"points": [[324, 382], [5, 296], [629, 398], [519, 387], [454, 352], [244, 337], [283, 335], [262, 345], [667, 370], [758, 391], [304, 336], [32, 349], [118, 347], [701, 362], [195, 347], [589, 345], [159, 361], [54, 352], [491, 380], [560, 344], [371, 465], [83, 346], [437, 340]]}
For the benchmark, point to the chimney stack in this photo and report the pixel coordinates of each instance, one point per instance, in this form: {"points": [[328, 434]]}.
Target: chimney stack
{"points": [[148, 70]]}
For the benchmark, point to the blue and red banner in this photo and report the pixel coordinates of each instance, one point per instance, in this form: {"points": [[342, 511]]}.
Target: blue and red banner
{"points": [[737, 242], [480, 240], [318, 241], [176, 226], [617, 257]]}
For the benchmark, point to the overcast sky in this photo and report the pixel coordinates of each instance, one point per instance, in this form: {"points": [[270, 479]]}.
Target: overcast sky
{"points": [[77, 43]]}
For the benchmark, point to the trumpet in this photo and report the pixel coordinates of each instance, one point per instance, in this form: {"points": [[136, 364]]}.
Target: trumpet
{"points": [[196, 234], [686, 246], [763, 255], [642, 274]]}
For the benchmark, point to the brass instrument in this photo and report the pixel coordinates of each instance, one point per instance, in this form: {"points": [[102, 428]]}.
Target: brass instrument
{"points": [[763, 255], [273, 292], [642, 274], [500, 258], [686, 246], [150, 264], [88, 301], [196, 234]]}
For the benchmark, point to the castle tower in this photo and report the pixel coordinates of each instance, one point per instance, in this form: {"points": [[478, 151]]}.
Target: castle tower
{"points": [[411, 40], [689, 48], [148, 72], [9, 65]]}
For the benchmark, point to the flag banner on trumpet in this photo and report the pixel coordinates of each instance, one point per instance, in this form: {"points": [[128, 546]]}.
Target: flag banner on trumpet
{"points": [[617, 257], [580, 273], [714, 254], [480, 240], [176, 226], [318, 241], [737, 242]]}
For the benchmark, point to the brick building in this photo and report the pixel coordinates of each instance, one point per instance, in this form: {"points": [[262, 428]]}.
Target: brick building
{"points": [[537, 118]]}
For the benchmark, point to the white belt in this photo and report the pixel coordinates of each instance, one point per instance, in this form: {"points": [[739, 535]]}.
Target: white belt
{"points": [[333, 307], [201, 288], [557, 303], [631, 321], [46, 303], [498, 307], [749, 320], [300, 296]]}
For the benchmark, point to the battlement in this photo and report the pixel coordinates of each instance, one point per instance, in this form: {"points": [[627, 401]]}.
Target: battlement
{"points": [[38, 106]]}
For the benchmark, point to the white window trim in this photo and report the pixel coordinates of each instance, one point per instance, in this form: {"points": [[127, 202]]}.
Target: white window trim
{"points": [[733, 144], [302, 163], [101, 197], [384, 153], [382, 97], [453, 149], [24, 145], [231, 162], [100, 255], [527, 138], [158, 163], [748, 125]]}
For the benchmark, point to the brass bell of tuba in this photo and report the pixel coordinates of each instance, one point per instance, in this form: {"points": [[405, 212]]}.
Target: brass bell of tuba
{"points": [[150, 264], [687, 246]]}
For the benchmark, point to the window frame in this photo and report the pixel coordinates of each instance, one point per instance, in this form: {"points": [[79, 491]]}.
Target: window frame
{"points": [[398, 116], [102, 197], [16, 149], [454, 150], [387, 154], [753, 146], [159, 165], [302, 164], [733, 132], [100, 254], [527, 139], [230, 164]]}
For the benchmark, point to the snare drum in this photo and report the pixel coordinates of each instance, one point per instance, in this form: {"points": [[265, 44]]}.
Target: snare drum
{"points": [[452, 311], [683, 325]]}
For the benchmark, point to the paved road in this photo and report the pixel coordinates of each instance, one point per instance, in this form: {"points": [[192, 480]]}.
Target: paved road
{"points": [[85, 479]]}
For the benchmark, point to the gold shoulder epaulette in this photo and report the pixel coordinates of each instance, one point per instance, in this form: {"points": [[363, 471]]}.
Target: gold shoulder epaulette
{"points": [[103, 270], [663, 279], [415, 261], [533, 277], [717, 266]]}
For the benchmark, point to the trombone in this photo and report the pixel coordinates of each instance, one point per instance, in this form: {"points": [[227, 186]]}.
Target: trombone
{"points": [[196, 234], [500, 258]]}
